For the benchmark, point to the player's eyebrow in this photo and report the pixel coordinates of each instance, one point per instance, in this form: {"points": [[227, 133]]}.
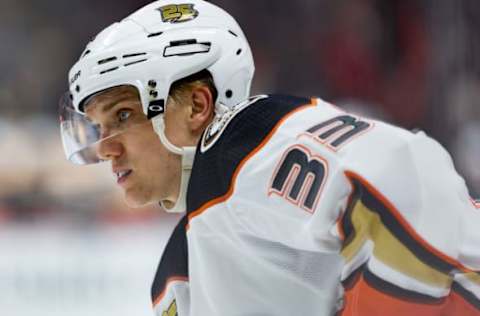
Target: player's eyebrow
{"points": [[109, 104]]}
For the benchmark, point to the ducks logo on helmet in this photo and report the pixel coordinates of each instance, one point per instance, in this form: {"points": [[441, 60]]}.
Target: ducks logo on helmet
{"points": [[177, 13]]}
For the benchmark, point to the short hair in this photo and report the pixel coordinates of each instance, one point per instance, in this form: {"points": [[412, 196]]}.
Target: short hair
{"points": [[200, 78]]}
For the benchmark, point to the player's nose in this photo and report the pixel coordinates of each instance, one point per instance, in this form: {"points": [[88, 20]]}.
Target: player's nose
{"points": [[109, 148]]}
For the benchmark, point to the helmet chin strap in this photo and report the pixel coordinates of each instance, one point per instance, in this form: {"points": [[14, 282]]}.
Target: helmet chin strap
{"points": [[188, 155]]}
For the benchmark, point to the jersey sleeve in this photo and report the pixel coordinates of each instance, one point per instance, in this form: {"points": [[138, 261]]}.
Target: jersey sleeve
{"points": [[409, 235]]}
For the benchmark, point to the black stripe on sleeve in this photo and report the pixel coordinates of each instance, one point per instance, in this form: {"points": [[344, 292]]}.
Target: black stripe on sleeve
{"points": [[388, 288], [398, 292], [174, 261], [347, 223], [353, 278], [373, 204], [389, 220], [467, 295]]}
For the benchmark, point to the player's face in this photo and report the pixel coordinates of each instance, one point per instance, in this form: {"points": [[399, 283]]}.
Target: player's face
{"points": [[145, 170]]}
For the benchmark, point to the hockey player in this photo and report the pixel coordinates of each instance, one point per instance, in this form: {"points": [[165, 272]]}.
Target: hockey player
{"points": [[292, 206]]}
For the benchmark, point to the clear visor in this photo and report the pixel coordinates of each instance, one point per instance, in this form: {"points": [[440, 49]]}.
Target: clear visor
{"points": [[81, 137]]}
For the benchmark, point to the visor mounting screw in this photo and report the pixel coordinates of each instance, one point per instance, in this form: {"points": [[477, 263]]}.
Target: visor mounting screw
{"points": [[77, 88], [152, 83], [154, 93], [229, 93]]}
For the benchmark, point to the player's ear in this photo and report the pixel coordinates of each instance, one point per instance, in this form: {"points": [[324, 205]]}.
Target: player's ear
{"points": [[202, 108]]}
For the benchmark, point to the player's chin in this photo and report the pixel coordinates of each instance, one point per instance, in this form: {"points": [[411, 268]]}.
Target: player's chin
{"points": [[136, 199]]}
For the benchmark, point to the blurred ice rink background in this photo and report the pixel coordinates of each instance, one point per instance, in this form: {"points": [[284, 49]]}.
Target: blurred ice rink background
{"points": [[69, 246]]}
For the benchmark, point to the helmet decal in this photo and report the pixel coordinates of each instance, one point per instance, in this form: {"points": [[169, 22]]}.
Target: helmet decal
{"points": [[177, 13], [75, 77]]}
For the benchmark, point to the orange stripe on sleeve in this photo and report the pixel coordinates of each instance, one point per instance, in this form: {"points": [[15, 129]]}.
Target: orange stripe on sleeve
{"points": [[364, 300]]}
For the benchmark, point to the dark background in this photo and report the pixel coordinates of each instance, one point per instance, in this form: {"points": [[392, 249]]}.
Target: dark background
{"points": [[411, 63]]}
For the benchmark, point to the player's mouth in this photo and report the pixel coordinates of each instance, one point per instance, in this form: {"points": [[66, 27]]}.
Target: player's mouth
{"points": [[122, 175]]}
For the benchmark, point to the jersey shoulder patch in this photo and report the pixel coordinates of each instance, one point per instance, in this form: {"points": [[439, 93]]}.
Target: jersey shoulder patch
{"points": [[221, 152], [219, 124]]}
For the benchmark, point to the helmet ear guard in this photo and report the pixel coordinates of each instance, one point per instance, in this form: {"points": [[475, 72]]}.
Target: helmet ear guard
{"points": [[163, 42]]}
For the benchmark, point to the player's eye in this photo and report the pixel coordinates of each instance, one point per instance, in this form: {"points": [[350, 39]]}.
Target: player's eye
{"points": [[123, 115]]}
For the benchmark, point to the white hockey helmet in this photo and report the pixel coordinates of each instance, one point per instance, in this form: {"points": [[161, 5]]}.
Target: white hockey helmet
{"points": [[150, 49]]}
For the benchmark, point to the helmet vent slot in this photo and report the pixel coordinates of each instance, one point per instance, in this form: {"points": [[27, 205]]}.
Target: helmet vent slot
{"points": [[135, 62], [108, 70], [106, 60], [85, 53], [233, 33], [183, 42], [186, 49], [133, 55]]}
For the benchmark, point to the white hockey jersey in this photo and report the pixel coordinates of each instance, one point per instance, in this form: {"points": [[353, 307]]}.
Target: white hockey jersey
{"points": [[298, 208]]}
